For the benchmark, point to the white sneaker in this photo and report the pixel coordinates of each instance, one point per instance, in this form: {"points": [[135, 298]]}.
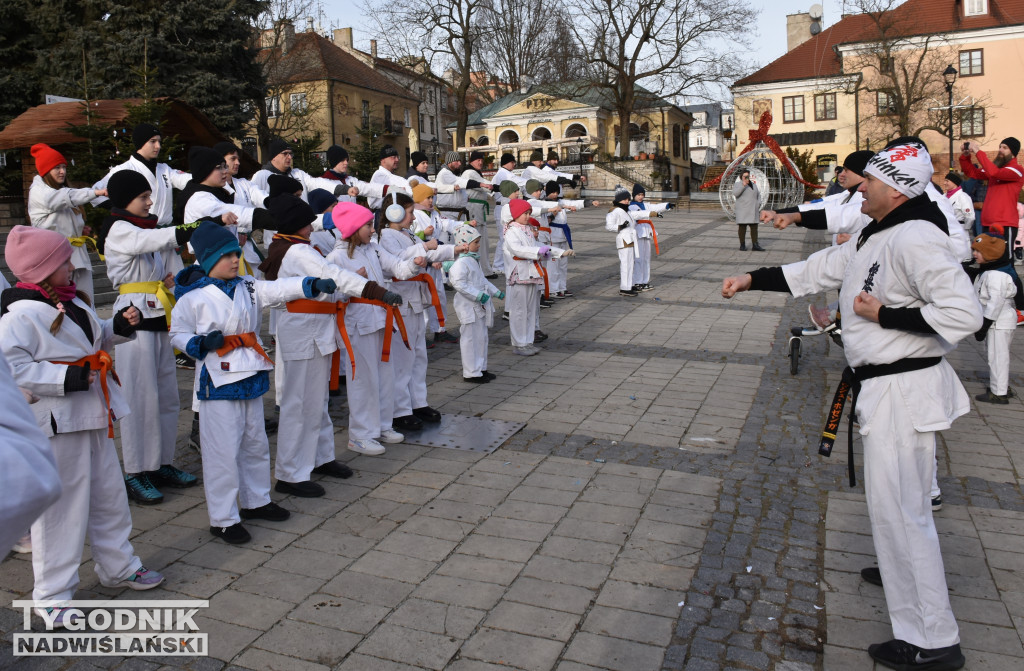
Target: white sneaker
{"points": [[366, 446], [24, 545], [529, 350], [391, 436]]}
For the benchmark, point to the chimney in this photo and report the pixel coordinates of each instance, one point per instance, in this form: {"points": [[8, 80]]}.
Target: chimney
{"points": [[285, 35], [798, 29], [309, 24], [343, 38], [373, 48]]}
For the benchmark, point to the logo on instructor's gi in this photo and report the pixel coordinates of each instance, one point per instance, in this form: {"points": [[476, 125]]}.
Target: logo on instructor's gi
{"points": [[869, 281]]}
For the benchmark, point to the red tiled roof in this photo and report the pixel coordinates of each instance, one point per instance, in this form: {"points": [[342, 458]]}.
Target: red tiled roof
{"points": [[817, 58], [313, 57]]}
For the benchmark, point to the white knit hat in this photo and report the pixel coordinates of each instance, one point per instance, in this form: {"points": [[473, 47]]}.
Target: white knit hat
{"points": [[906, 167]]}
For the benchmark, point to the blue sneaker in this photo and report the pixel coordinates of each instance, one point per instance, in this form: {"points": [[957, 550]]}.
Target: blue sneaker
{"points": [[61, 616], [142, 579], [169, 476], [141, 490]]}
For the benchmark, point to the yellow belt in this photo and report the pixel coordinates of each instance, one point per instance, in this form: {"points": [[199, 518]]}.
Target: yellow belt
{"points": [[160, 289], [86, 241]]}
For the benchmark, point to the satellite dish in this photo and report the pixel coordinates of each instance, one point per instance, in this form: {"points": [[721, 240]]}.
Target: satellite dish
{"points": [[816, 12], [815, 28]]}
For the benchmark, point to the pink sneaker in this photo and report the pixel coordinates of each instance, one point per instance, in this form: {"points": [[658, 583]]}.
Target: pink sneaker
{"points": [[142, 579]]}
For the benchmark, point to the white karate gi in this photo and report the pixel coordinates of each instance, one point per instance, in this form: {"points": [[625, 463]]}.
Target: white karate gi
{"points": [[371, 391], [996, 291], [55, 210], [93, 500], [475, 318], [498, 262], [305, 345], [625, 242], [236, 452], [444, 233], [478, 206], [247, 194], [522, 298], [384, 178], [644, 240], [410, 366], [146, 363], [913, 264]]}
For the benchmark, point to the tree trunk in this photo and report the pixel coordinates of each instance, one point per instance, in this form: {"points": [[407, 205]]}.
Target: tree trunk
{"points": [[624, 116]]}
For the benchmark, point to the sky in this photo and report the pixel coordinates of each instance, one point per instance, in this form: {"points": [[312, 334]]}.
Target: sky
{"points": [[767, 44]]}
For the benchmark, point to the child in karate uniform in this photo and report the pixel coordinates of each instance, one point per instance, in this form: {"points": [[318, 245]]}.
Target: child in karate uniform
{"points": [[645, 235], [307, 340], [473, 306], [58, 349], [996, 288], [410, 367], [622, 221], [139, 260], [217, 321], [371, 401]]}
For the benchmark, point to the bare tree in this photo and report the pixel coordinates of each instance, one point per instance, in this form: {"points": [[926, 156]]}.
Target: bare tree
{"points": [[665, 46], [447, 32]]}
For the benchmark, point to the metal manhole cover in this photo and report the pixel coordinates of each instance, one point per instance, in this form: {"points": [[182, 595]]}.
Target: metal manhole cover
{"points": [[460, 432]]}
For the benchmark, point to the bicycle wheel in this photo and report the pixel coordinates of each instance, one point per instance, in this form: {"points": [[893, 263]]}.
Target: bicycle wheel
{"points": [[794, 355]]}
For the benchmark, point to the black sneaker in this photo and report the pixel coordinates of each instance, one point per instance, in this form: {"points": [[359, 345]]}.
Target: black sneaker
{"points": [[872, 575], [937, 503], [334, 469], [479, 379], [567, 293], [406, 423], [504, 316], [270, 424], [897, 654], [141, 489], [270, 512], [427, 414], [627, 292], [546, 304], [539, 336], [743, 246], [234, 534], [444, 336], [305, 490], [169, 476], [989, 397], [183, 360], [558, 294], [646, 286], [193, 436], [490, 376], [757, 248]]}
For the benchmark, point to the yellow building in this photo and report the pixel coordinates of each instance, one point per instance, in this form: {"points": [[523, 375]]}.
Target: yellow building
{"points": [[826, 94], [316, 86], [579, 122]]}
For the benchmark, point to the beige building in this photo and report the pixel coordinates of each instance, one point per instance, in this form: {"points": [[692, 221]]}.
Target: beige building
{"points": [[826, 94], [582, 126]]}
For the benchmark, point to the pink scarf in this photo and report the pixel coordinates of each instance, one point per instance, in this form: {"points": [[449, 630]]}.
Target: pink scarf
{"points": [[63, 293]]}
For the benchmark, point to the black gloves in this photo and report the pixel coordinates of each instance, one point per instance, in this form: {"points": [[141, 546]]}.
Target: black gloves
{"points": [[325, 286], [76, 378], [121, 325], [184, 232], [391, 298], [983, 331], [670, 206], [213, 340], [472, 184]]}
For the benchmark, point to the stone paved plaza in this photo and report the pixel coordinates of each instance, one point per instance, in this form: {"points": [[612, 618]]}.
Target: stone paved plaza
{"points": [[663, 508]]}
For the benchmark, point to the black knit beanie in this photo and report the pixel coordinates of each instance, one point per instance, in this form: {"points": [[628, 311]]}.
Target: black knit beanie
{"points": [[280, 184], [202, 161], [857, 161], [290, 213], [335, 155], [143, 133], [639, 188], [124, 186], [507, 158], [276, 146], [224, 149]]}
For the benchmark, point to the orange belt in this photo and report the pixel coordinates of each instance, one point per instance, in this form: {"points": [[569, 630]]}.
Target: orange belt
{"points": [[540, 269], [434, 300], [653, 230], [102, 364], [232, 342], [543, 229]]}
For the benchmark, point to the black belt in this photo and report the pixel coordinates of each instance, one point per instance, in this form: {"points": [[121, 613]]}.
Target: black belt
{"points": [[849, 386], [623, 226]]}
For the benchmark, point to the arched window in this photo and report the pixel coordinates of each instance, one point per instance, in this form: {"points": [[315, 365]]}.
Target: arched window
{"points": [[541, 133], [482, 141], [677, 141], [576, 130], [508, 137]]}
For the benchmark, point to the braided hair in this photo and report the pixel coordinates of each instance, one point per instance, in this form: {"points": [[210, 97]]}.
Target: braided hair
{"points": [[51, 293]]}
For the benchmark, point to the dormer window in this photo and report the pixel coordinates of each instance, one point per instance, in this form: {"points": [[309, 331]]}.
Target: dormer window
{"points": [[975, 7]]}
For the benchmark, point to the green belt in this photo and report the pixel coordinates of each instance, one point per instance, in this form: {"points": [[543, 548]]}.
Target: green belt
{"points": [[487, 206]]}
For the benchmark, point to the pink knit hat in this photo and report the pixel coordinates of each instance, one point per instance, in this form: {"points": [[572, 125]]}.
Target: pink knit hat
{"points": [[349, 218], [33, 254]]}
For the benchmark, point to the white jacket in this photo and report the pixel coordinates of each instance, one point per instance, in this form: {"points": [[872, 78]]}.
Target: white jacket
{"points": [[415, 295], [208, 308], [377, 260], [469, 282], [139, 255], [162, 184], [963, 208], [996, 291], [501, 176], [30, 348], [643, 228], [307, 181], [453, 200], [543, 174], [53, 209], [521, 250], [627, 236], [204, 205], [382, 178], [246, 193]]}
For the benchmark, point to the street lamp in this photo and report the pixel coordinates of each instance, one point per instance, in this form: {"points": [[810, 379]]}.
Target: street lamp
{"points": [[949, 76], [579, 160]]}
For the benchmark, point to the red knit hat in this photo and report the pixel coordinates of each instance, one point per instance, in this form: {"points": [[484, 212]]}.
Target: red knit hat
{"points": [[33, 254], [517, 206], [47, 158]]}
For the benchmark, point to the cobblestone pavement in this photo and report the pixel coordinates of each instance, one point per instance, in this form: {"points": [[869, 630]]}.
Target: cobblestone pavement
{"points": [[663, 508]]}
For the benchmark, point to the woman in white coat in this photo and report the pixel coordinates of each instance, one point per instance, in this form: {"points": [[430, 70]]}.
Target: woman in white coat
{"points": [[59, 350], [53, 205]]}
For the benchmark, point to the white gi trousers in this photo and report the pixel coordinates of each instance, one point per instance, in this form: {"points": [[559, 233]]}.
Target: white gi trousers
{"points": [[145, 366], [627, 260], [558, 269], [305, 433], [409, 366], [523, 304], [371, 398], [899, 465], [82, 277], [93, 502], [430, 313], [498, 263], [642, 265], [997, 345], [479, 213], [236, 458], [473, 346]]}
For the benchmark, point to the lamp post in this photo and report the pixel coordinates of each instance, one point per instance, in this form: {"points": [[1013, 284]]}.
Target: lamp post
{"points": [[579, 159], [949, 76]]}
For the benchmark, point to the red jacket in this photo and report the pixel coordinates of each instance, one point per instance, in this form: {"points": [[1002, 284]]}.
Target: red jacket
{"points": [[1004, 185]]}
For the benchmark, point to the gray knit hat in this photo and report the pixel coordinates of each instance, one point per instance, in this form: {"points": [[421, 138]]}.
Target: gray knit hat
{"points": [[452, 157]]}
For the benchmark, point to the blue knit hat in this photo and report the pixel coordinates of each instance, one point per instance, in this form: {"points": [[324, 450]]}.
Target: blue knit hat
{"points": [[321, 200], [211, 241]]}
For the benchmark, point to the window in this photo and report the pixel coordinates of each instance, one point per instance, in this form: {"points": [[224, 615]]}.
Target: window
{"points": [[298, 103], [430, 96], [886, 103], [366, 114], [387, 118], [406, 117], [971, 63], [886, 65], [677, 140], [432, 132], [273, 107], [972, 122], [976, 7], [824, 106], [792, 109], [421, 124]]}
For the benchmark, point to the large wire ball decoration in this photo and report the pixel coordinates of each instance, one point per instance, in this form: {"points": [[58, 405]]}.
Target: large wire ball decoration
{"points": [[777, 185]]}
